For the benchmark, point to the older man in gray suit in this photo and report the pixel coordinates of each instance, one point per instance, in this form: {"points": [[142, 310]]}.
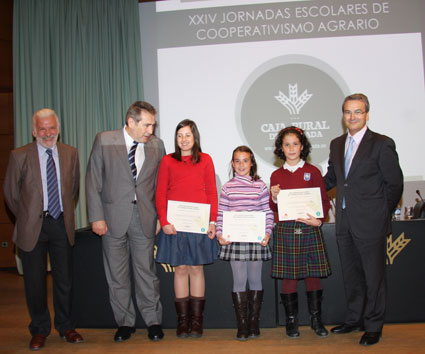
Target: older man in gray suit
{"points": [[120, 187]]}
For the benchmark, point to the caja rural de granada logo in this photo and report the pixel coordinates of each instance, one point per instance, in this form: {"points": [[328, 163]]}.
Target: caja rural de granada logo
{"points": [[290, 90]]}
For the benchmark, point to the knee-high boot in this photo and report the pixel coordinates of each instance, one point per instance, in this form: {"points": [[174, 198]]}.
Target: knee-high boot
{"points": [[314, 299], [197, 305], [240, 303], [255, 299], [290, 303], [182, 308]]}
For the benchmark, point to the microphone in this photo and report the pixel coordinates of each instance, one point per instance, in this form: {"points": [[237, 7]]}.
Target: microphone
{"points": [[419, 194], [419, 208]]}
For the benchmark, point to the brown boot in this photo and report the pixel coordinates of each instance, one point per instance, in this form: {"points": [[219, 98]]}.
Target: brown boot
{"points": [[240, 302], [182, 308], [197, 305], [255, 299]]}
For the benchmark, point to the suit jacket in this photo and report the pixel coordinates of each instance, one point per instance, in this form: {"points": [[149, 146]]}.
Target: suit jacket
{"points": [[23, 191], [373, 186], [110, 186]]}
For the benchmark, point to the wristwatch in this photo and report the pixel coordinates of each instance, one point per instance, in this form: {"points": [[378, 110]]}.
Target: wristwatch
{"points": [[213, 223]]}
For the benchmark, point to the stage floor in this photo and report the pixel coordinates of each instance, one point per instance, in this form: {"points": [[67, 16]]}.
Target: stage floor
{"points": [[14, 335]]}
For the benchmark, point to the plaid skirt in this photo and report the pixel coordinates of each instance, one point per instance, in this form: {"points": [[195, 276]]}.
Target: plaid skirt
{"points": [[244, 251], [299, 252]]}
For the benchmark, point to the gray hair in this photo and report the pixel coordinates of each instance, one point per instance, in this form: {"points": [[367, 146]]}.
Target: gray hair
{"points": [[44, 113]]}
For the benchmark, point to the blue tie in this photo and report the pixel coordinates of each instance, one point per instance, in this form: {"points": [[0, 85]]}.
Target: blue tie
{"points": [[52, 187], [348, 156], [347, 160], [132, 161]]}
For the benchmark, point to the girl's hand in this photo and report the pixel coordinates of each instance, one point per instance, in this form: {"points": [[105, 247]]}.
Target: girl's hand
{"points": [[312, 221], [169, 229], [265, 240], [222, 241], [158, 227], [275, 191], [211, 231]]}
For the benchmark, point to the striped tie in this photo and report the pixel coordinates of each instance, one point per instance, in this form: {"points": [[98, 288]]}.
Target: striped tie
{"points": [[52, 187], [132, 161]]}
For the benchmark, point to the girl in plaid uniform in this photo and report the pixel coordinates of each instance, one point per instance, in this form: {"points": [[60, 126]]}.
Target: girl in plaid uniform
{"points": [[245, 192], [299, 251]]}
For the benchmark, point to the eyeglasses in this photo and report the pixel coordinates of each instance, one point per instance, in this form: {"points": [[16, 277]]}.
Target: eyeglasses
{"points": [[356, 113]]}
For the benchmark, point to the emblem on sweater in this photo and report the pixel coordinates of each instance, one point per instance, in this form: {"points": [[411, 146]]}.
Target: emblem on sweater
{"points": [[307, 176]]}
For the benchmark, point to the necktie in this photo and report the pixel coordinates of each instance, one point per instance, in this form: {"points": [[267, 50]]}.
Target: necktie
{"points": [[348, 156], [52, 187], [132, 161], [347, 162]]}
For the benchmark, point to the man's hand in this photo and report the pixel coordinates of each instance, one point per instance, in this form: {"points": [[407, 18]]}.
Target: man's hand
{"points": [[99, 227]]}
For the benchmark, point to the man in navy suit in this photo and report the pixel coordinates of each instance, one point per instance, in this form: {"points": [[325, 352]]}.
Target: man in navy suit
{"points": [[364, 167]]}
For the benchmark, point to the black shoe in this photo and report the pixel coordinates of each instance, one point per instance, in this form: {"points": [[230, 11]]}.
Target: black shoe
{"points": [[345, 328], [155, 332], [370, 338], [124, 333]]}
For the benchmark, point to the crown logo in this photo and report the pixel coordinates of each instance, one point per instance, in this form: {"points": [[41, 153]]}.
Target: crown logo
{"points": [[167, 268], [293, 103], [394, 248]]}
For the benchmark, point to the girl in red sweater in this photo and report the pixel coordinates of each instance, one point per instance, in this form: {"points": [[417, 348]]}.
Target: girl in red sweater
{"points": [[187, 175], [299, 251]]}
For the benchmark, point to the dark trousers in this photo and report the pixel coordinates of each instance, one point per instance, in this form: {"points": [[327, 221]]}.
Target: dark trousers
{"points": [[363, 260], [52, 240]]}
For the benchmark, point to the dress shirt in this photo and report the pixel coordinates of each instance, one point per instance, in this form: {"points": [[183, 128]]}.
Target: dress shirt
{"points": [[42, 158], [357, 140], [139, 156]]}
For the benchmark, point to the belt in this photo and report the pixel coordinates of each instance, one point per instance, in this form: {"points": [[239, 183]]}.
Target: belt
{"points": [[46, 214]]}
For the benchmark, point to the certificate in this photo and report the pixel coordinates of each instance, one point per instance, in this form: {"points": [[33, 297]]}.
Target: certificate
{"points": [[296, 203], [189, 217], [244, 226]]}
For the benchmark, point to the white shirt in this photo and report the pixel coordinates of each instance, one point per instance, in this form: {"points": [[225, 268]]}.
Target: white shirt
{"points": [[293, 168], [139, 156]]}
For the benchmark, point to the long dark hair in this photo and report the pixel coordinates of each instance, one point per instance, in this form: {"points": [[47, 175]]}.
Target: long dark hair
{"points": [[278, 151], [253, 170], [196, 149]]}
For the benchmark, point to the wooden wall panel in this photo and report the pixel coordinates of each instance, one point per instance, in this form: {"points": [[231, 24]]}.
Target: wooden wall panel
{"points": [[7, 256]]}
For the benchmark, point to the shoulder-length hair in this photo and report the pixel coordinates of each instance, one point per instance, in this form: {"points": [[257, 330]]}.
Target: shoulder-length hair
{"points": [[253, 169], [196, 149], [278, 151]]}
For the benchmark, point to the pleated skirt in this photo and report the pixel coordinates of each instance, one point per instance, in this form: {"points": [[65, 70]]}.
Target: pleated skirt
{"points": [[299, 251]]}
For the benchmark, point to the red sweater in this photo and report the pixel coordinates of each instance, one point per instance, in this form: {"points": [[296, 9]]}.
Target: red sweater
{"points": [[307, 176], [186, 182]]}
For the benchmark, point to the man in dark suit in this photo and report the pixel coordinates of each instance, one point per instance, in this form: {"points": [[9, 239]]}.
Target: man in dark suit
{"points": [[120, 188], [40, 188], [364, 167]]}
